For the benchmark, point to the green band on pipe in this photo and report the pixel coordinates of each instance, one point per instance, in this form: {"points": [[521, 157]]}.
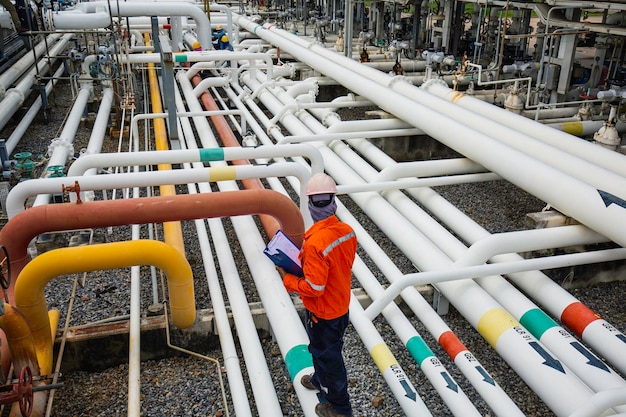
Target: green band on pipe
{"points": [[537, 322], [211, 154], [418, 349], [297, 359], [180, 57]]}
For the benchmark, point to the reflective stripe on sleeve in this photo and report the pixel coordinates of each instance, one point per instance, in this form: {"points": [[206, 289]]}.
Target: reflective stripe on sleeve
{"points": [[337, 242]]}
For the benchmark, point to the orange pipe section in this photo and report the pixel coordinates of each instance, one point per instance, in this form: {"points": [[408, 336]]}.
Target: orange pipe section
{"points": [[30, 286], [21, 229], [228, 138]]}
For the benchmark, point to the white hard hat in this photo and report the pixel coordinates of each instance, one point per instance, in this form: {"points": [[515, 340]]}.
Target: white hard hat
{"points": [[321, 184]]}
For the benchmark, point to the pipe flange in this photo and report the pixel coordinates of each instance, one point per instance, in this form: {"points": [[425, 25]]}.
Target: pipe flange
{"points": [[272, 127], [58, 143], [396, 79], [328, 116], [434, 81]]}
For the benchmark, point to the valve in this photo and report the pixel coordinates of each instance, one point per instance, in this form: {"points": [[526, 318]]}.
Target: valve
{"points": [[55, 171]]}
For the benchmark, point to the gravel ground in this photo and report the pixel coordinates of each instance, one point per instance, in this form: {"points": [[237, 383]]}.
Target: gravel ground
{"points": [[184, 385]]}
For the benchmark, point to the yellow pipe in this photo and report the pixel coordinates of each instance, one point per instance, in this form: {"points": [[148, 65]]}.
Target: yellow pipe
{"points": [[30, 285], [172, 231]]}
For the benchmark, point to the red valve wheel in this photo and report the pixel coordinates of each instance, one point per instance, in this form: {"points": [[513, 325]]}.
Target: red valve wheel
{"points": [[25, 391]]}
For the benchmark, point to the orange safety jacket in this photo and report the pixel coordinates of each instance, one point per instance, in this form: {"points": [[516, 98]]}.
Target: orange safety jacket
{"points": [[327, 255]]}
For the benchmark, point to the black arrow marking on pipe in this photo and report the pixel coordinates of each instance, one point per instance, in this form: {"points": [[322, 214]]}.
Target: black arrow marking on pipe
{"points": [[593, 360], [410, 394], [621, 337], [451, 385], [549, 360], [609, 199], [486, 377]]}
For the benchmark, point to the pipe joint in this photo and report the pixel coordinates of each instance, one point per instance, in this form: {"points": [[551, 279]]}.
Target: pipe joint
{"points": [[273, 128], [18, 93], [398, 78], [59, 143], [433, 81]]}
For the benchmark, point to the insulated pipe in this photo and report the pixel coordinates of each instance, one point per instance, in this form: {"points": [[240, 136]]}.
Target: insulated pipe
{"points": [[22, 191], [471, 367], [93, 15], [32, 112], [587, 204], [511, 335], [435, 371], [228, 139], [87, 161], [61, 148], [22, 347], [98, 131], [9, 75], [239, 395], [257, 370], [14, 97], [22, 228], [560, 140], [32, 281], [396, 378]]}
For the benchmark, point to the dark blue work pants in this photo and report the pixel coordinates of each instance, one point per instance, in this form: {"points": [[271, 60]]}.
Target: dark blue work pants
{"points": [[325, 344]]}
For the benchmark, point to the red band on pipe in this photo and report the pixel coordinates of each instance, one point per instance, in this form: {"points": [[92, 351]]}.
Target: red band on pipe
{"points": [[451, 344], [167, 26], [577, 317]]}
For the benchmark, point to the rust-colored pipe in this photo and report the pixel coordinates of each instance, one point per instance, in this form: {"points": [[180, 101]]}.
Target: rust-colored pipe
{"points": [[22, 348], [228, 138], [21, 229]]}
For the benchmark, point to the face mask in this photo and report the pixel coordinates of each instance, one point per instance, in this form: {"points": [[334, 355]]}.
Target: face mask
{"points": [[321, 213]]}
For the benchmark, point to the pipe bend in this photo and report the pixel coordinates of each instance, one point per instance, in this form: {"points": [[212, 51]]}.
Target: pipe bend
{"points": [[31, 282]]}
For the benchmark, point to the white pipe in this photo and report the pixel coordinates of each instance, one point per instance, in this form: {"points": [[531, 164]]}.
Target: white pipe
{"points": [[398, 382], [435, 371], [600, 402], [8, 77], [581, 201], [581, 148], [14, 97], [502, 268], [289, 332], [32, 112], [471, 367], [94, 146], [513, 340], [590, 369], [21, 192], [230, 356], [92, 15], [60, 148]]}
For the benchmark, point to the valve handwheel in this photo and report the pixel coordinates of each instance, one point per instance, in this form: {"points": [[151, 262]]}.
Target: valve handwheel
{"points": [[25, 391], [5, 268]]}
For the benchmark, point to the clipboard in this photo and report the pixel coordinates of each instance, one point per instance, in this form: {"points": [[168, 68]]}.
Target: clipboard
{"points": [[284, 253]]}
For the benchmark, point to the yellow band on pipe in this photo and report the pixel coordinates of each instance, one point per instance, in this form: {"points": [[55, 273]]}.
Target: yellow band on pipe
{"points": [[573, 128], [495, 322], [383, 358], [222, 173], [32, 280]]}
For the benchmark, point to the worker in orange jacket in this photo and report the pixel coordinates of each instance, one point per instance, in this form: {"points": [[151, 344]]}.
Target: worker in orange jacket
{"points": [[327, 255]]}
